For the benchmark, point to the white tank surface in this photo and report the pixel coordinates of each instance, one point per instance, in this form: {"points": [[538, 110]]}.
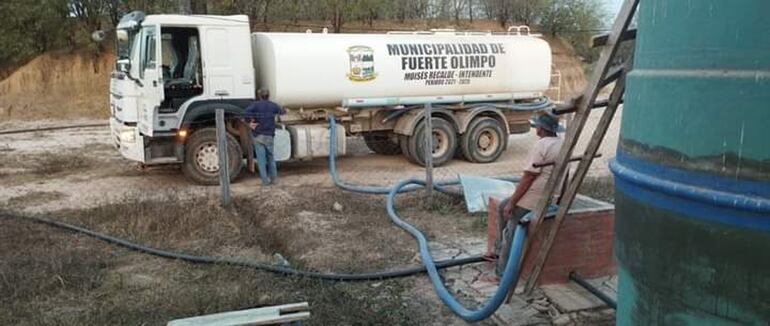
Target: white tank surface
{"points": [[357, 70]]}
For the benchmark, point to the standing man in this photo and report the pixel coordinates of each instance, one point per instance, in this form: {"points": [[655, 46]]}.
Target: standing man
{"points": [[261, 116], [530, 189]]}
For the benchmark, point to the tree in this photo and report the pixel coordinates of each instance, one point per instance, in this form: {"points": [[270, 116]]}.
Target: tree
{"points": [[31, 27], [338, 12], [576, 21], [193, 7], [369, 10], [500, 10], [527, 11]]}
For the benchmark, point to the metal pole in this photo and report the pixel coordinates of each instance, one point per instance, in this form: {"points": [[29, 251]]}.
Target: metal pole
{"points": [[429, 151], [598, 293], [224, 173]]}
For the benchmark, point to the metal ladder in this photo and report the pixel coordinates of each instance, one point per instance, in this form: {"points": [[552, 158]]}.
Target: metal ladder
{"points": [[601, 77]]}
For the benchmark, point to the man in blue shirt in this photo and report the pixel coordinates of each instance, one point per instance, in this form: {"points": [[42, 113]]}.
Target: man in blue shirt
{"points": [[261, 117]]}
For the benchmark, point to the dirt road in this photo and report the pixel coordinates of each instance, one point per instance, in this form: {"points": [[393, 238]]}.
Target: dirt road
{"points": [[79, 168]]}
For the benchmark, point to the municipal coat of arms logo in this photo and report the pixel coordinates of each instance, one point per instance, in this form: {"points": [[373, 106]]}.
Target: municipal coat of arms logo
{"points": [[361, 63]]}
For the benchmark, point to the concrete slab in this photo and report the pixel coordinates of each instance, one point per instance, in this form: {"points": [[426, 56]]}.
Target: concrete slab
{"points": [[567, 303], [519, 313], [571, 297]]}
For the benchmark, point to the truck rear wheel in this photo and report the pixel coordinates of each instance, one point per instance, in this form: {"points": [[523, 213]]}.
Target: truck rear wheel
{"points": [[382, 144], [403, 141], [444, 142], [201, 158], [484, 141]]}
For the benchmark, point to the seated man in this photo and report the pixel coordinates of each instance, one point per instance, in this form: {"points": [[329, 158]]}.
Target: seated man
{"points": [[529, 190], [261, 116]]}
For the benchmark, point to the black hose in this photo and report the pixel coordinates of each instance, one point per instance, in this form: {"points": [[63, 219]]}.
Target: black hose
{"points": [[599, 294], [287, 271], [21, 131]]}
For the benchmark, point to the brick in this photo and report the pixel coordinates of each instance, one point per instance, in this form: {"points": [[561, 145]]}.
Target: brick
{"points": [[584, 243]]}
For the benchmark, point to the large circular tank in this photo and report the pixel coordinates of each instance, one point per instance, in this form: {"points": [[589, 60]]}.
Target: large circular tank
{"points": [[692, 171], [312, 70]]}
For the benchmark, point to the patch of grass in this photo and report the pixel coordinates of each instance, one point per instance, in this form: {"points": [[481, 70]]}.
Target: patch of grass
{"points": [[51, 277], [601, 188], [439, 203], [57, 278], [36, 265], [480, 222]]}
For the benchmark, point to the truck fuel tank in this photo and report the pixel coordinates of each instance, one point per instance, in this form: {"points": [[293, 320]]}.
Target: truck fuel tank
{"points": [[312, 140]]}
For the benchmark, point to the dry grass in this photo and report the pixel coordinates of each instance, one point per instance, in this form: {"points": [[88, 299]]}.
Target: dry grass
{"points": [[57, 86], [50, 277]]}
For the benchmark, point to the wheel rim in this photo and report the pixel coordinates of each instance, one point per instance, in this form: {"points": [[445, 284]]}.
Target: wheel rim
{"points": [[440, 143], [207, 158], [487, 142]]}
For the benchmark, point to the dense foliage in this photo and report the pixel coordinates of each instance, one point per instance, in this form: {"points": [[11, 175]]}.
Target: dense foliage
{"points": [[31, 27]]}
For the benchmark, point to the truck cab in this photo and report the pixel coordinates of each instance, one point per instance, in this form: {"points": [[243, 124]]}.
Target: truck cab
{"points": [[171, 73]]}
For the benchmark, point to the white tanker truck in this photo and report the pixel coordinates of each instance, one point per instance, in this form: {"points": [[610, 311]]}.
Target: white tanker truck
{"points": [[173, 72]]}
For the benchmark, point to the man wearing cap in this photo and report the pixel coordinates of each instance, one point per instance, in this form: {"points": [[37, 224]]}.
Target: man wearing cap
{"points": [[261, 117], [530, 189]]}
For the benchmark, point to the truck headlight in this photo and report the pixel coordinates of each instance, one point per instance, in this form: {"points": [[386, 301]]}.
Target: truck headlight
{"points": [[127, 136]]}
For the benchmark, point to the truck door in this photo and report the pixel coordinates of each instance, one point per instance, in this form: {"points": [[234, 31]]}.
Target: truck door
{"points": [[152, 79], [218, 62]]}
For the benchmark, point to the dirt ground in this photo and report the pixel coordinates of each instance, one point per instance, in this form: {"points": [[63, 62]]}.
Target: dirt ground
{"points": [[50, 277], [85, 170]]}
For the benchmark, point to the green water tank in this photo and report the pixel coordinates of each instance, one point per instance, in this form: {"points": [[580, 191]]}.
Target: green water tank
{"points": [[692, 171]]}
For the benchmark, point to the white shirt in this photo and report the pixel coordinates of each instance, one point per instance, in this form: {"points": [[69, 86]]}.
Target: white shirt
{"points": [[546, 150]]}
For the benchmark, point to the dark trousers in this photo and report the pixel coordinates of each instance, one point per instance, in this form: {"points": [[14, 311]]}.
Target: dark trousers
{"points": [[505, 228]]}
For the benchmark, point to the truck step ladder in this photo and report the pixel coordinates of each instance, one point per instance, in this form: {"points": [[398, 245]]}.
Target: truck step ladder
{"points": [[602, 76]]}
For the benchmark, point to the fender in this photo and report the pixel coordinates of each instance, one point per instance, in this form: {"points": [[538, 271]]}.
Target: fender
{"points": [[407, 122], [200, 109], [205, 109], [465, 117]]}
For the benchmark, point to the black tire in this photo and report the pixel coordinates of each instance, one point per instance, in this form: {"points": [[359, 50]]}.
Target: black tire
{"points": [[201, 159], [382, 143], [403, 142], [484, 140], [444, 142]]}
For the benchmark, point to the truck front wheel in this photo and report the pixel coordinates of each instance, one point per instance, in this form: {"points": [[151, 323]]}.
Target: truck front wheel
{"points": [[484, 141], [201, 158]]}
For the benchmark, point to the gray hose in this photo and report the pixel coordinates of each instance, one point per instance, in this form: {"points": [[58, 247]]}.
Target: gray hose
{"points": [[21, 131]]}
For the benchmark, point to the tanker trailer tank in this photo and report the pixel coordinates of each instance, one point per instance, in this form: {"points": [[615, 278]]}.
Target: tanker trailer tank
{"points": [[368, 70]]}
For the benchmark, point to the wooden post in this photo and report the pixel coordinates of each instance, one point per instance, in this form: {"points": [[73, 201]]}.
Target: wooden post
{"points": [[429, 151], [224, 173]]}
